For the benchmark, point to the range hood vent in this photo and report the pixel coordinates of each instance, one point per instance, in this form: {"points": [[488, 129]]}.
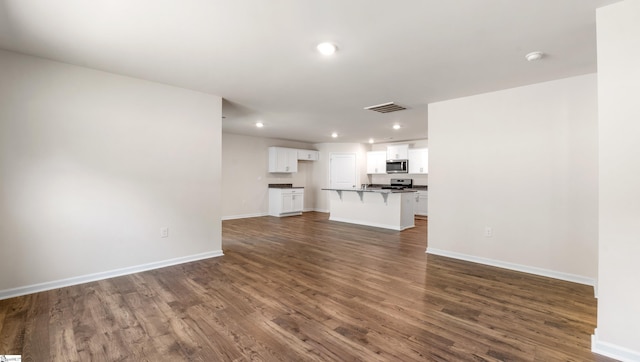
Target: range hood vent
{"points": [[385, 107]]}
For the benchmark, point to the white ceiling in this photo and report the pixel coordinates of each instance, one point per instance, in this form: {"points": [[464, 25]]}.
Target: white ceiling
{"points": [[259, 55]]}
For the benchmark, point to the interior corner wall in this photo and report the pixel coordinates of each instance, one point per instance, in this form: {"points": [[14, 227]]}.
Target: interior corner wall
{"points": [[94, 164], [523, 162], [618, 35], [245, 176]]}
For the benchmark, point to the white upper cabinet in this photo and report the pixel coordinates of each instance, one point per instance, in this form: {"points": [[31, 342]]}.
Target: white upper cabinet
{"points": [[418, 161], [376, 162], [283, 160], [309, 155], [398, 152]]}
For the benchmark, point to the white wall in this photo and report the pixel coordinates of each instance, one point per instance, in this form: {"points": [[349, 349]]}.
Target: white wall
{"points": [[420, 180], [321, 169], [618, 332], [522, 161], [245, 178], [93, 165]]}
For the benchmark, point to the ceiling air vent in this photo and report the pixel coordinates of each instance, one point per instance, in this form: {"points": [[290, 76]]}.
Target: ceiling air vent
{"points": [[385, 107]]}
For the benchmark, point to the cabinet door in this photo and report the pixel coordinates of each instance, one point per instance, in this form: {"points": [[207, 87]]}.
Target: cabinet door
{"points": [[291, 163], [287, 202], [282, 164], [297, 202], [418, 161], [421, 203], [398, 152], [308, 155], [376, 162], [283, 159]]}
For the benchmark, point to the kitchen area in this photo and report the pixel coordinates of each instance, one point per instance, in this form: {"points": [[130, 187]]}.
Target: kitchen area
{"points": [[391, 194], [247, 175]]}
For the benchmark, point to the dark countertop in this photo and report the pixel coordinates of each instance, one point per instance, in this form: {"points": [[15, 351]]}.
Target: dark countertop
{"points": [[284, 186], [378, 190], [413, 188]]}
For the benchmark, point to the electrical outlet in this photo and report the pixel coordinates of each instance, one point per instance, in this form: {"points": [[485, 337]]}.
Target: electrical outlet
{"points": [[488, 232], [164, 232]]}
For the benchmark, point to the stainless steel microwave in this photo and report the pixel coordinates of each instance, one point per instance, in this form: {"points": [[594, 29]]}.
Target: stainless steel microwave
{"points": [[397, 166]]}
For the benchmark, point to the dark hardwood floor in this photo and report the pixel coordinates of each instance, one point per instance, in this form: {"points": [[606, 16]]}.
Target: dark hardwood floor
{"points": [[307, 289]]}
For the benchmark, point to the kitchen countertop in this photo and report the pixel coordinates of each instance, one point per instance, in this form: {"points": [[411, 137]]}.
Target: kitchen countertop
{"points": [[378, 190], [419, 187], [284, 186], [414, 187]]}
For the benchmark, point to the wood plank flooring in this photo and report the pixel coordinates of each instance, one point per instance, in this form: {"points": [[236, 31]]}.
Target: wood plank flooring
{"points": [[306, 289]]}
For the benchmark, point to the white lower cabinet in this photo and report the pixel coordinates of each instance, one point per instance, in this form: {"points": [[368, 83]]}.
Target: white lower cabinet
{"points": [[286, 202], [421, 203]]}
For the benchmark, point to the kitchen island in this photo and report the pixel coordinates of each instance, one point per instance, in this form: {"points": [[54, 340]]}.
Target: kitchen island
{"points": [[389, 209]]}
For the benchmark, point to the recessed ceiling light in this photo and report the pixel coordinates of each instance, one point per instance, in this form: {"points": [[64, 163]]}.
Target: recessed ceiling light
{"points": [[370, 140], [259, 124], [396, 126], [533, 56], [334, 135], [326, 48]]}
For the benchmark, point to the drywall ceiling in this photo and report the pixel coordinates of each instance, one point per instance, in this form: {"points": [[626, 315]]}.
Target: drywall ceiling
{"points": [[260, 56]]}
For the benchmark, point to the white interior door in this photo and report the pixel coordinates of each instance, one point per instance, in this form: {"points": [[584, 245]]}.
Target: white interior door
{"points": [[343, 171]]}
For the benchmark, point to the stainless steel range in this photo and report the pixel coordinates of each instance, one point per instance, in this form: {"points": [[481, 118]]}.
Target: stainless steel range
{"points": [[399, 184]]}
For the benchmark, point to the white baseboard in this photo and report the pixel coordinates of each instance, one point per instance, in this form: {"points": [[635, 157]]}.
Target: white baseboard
{"points": [[517, 267], [260, 214], [611, 350], [34, 288], [321, 210], [244, 216], [366, 223]]}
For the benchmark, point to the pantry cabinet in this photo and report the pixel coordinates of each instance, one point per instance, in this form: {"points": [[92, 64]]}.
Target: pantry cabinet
{"points": [[286, 201]]}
